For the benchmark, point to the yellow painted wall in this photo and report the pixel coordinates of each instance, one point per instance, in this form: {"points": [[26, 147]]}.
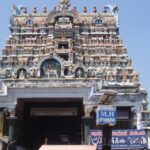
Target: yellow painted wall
{"points": [[1, 124]]}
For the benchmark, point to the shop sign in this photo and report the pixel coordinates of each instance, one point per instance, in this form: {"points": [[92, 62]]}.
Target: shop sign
{"points": [[121, 139], [59, 111], [106, 115]]}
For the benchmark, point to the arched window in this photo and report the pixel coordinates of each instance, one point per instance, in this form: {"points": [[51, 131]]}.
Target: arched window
{"points": [[29, 22], [99, 21], [21, 73], [79, 73]]}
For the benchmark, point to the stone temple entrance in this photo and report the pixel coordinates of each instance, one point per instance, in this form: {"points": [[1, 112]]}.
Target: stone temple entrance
{"points": [[49, 121]]}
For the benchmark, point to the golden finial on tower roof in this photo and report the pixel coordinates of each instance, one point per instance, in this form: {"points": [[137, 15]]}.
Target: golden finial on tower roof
{"points": [[64, 1], [34, 9], [44, 9], [64, 4]]}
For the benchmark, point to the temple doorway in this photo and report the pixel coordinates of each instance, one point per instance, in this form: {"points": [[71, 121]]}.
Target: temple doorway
{"points": [[49, 121]]}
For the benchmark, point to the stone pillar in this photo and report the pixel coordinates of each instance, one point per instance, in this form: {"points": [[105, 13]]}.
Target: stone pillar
{"points": [[1, 124], [12, 128], [1, 145], [137, 117], [148, 136], [139, 123], [12, 133], [132, 117], [12, 120], [87, 122], [62, 71]]}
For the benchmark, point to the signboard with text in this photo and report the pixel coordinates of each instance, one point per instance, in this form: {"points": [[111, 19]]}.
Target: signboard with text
{"points": [[59, 111], [121, 139], [106, 114]]}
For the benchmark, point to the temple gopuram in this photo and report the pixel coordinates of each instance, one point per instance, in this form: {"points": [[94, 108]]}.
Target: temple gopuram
{"points": [[56, 68]]}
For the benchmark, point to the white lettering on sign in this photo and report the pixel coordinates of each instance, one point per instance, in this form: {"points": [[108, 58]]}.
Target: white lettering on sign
{"points": [[107, 114]]}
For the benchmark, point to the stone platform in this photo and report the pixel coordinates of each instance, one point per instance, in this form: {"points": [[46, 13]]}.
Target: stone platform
{"points": [[67, 147]]}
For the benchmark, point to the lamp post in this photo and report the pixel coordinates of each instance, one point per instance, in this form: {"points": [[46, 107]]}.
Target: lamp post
{"points": [[106, 117], [9, 145], [4, 142]]}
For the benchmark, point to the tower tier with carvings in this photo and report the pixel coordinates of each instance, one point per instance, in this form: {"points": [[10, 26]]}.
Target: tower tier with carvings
{"points": [[66, 44]]}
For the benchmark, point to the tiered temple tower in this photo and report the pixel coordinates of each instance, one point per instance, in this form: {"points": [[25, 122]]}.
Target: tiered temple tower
{"points": [[84, 46], [65, 55]]}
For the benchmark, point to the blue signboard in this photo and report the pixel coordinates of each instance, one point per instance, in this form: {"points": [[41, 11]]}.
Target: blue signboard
{"points": [[95, 138], [121, 139], [106, 115]]}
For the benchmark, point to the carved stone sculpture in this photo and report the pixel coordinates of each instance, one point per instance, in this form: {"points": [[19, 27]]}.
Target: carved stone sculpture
{"points": [[88, 110], [22, 74]]}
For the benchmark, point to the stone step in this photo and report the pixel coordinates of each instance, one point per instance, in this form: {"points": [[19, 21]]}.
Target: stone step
{"points": [[67, 147]]}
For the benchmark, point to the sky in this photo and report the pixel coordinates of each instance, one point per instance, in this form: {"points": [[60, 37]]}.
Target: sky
{"points": [[134, 18]]}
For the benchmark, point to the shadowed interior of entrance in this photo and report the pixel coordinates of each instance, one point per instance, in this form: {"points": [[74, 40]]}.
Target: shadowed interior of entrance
{"points": [[49, 121]]}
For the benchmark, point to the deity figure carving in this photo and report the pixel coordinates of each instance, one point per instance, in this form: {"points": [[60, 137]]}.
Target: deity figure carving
{"points": [[112, 77], [70, 44], [113, 10], [123, 74], [38, 73], [91, 61], [98, 73], [97, 61], [22, 74], [78, 59], [35, 61], [117, 62], [135, 78], [50, 68], [56, 45], [51, 72], [84, 40], [87, 60], [91, 72], [105, 62], [17, 10], [30, 61], [129, 62], [70, 25], [70, 70], [70, 56], [33, 73], [8, 74], [63, 5], [15, 22], [79, 73], [56, 25], [13, 75]]}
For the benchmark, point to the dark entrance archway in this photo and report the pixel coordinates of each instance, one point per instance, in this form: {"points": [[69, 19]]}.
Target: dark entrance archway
{"points": [[49, 121]]}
